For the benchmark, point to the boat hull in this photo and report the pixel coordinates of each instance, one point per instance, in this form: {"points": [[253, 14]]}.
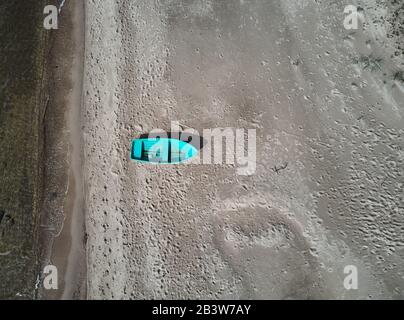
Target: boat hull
{"points": [[161, 150]]}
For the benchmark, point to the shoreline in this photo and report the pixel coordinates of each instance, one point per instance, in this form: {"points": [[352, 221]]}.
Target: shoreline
{"points": [[65, 248]]}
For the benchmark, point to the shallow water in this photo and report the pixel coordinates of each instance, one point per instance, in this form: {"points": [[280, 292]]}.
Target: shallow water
{"points": [[20, 78]]}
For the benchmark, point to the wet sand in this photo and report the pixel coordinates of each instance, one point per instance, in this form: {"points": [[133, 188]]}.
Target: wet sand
{"points": [[75, 277], [67, 237]]}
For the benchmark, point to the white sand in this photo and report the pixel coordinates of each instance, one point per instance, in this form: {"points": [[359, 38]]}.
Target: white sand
{"points": [[202, 231]]}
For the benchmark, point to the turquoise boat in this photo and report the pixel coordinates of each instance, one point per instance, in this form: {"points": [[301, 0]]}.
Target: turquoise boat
{"points": [[162, 150]]}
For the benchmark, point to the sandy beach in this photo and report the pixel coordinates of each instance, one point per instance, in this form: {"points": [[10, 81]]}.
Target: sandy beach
{"points": [[325, 192], [326, 110]]}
